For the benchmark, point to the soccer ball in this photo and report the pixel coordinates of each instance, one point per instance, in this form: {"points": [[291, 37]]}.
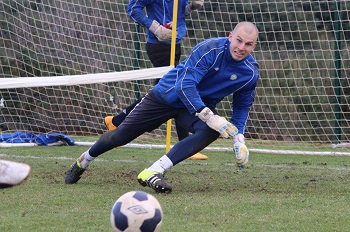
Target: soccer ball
{"points": [[136, 211]]}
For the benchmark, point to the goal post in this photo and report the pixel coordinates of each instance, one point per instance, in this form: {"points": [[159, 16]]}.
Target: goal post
{"points": [[302, 102]]}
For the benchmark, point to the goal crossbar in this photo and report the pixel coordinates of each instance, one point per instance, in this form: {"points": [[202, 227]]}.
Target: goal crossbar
{"points": [[28, 82]]}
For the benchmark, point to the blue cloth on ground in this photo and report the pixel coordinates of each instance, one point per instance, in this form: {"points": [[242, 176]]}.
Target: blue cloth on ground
{"points": [[41, 139]]}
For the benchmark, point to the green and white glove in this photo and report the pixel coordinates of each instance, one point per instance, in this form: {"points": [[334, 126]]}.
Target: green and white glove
{"points": [[161, 32], [241, 151], [215, 122]]}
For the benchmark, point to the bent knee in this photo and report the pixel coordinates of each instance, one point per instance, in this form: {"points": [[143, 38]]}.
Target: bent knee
{"points": [[207, 133]]}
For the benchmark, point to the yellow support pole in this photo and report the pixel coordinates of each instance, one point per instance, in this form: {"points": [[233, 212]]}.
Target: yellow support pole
{"points": [[172, 63]]}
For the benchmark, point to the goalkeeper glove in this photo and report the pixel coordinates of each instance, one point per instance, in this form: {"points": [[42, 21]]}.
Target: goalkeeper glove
{"points": [[241, 151], [215, 122], [162, 33], [196, 4]]}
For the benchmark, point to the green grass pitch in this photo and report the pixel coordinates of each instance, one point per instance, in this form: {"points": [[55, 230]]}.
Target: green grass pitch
{"points": [[275, 193]]}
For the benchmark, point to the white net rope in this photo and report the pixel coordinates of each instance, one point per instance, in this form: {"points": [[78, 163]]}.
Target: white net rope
{"points": [[302, 101]]}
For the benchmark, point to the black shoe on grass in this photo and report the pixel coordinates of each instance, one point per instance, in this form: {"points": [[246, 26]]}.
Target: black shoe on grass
{"points": [[74, 173], [154, 180]]}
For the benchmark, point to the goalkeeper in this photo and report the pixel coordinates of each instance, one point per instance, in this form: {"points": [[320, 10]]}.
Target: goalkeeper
{"points": [[158, 47], [216, 68]]}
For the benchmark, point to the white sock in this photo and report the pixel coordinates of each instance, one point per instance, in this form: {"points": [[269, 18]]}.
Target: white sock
{"points": [[161, 165], [87, 160]]}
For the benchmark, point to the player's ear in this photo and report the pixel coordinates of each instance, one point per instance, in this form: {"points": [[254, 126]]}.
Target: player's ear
{"points": [[230, 36], [255, 44]]}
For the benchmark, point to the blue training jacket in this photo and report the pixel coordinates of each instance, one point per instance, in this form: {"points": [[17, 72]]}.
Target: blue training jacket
{"points": [[160, 10], [207, 76]]}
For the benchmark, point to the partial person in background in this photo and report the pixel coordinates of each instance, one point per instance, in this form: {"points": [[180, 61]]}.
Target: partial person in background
{"points": [[12, 173], [189, 93], [158, 23]]}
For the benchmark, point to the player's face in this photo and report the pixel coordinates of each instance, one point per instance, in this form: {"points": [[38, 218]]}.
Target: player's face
{"points": [[242, 43]]}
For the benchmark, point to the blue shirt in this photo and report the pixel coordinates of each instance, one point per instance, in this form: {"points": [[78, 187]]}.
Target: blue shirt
{"points": [[162, 12], [207, 76]]}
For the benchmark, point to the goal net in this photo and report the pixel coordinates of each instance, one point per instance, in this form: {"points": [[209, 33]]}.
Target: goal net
{"points": [[65, 65]]}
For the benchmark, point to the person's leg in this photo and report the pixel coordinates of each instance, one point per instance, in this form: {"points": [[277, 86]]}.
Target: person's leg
{"points": [[146, 116], [159, 55], [182, 132], [112, 122], [202, 136]]}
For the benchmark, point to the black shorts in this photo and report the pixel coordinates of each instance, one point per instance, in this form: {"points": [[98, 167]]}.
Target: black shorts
{"points": [[150, 113], [159, 54]]}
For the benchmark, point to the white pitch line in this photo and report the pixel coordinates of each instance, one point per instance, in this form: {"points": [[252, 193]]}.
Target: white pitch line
{"points": [[61, 158], [186, 163]]}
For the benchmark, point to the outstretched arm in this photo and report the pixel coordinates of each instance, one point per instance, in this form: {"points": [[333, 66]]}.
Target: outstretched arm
{"points": [[241, 103]]}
